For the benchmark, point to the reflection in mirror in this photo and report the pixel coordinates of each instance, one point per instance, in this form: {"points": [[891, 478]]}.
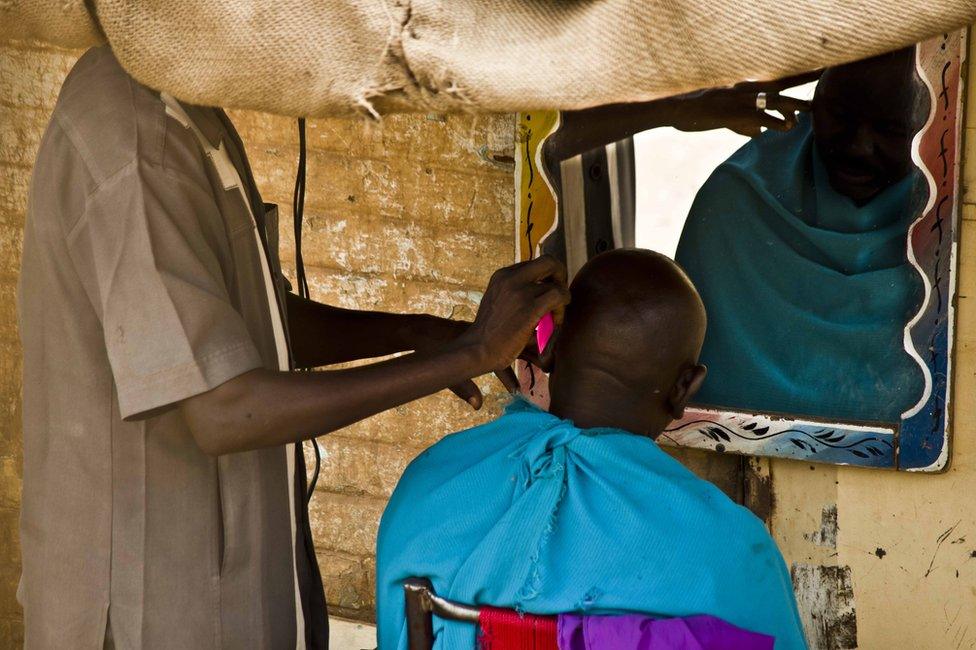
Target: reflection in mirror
{"points": [[797, 245], [823, 252]]}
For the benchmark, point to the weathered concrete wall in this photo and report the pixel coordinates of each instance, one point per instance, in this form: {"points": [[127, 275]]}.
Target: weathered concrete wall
{"points": [[888, 560], [409, 215]]}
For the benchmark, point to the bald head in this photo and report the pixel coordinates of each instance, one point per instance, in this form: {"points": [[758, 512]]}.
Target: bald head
{"points": [[627, 352]]}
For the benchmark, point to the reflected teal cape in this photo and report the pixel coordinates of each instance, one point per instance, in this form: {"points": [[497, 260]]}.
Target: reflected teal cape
{"points": [[807, 294], [529, 512]]}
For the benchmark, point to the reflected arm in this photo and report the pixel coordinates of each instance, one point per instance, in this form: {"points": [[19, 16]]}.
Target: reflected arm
{"points": [[732, 108], [590, 128]]}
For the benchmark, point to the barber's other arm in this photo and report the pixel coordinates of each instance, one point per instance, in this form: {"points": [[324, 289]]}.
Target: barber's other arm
{"points": [[264, 408], [733, 108], [323, 335]]}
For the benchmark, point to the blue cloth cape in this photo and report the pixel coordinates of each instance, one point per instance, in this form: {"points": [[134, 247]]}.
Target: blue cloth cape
{"points": [[532, 513], [807, 294]]}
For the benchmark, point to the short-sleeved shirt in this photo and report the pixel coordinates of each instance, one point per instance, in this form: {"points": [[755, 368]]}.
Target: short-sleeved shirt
{"points": [[142, 285]]}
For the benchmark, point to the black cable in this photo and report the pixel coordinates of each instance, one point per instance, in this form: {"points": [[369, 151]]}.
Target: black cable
{"points": [[315, 474], [298, 210]]}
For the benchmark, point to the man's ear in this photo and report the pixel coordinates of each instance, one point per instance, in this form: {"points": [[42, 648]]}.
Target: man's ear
{"points": [[547, 357], [689, 381]]}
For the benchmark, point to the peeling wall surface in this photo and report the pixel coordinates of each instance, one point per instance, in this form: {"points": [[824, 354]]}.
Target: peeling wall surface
{"points": [[412, 214]]}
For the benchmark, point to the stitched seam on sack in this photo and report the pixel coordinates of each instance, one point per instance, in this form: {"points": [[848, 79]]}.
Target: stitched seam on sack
{"points": [[392, 53], [395, 54]]}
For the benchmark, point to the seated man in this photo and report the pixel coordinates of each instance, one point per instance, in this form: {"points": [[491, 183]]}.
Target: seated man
{"points": [[579, 510]]}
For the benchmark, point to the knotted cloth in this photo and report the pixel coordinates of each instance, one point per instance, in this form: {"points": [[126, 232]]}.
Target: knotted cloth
{"points": [[321, 57]]}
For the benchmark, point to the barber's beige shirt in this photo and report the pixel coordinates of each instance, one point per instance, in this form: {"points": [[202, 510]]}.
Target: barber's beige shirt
{"points": [[142, 286]]}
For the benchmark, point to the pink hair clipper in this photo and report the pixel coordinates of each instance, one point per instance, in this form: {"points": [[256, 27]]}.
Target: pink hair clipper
{"points": [[543, 331]]}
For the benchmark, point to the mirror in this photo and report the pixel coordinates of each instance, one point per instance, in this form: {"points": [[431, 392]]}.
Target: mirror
{"points": [[825, 256]]}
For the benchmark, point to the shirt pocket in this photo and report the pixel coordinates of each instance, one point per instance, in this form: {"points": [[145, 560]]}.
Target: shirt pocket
{"points": [[237, 216]]}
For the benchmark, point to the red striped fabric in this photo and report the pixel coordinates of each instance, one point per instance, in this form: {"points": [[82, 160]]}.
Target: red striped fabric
{"points": [[504, 629]]}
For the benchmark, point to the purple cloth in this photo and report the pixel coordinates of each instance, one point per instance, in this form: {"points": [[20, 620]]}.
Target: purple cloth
{"points": [[635, 632]]}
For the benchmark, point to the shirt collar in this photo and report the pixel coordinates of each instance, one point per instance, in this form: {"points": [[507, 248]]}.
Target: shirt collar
{"points": [[207, 121]]}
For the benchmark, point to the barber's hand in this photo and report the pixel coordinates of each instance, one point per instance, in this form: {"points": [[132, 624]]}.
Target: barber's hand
{"points": [[735, 108], [516, 298], [437, 333]]}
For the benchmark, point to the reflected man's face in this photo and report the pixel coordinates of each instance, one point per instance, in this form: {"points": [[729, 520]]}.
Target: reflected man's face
{"points": [[863, 116]]}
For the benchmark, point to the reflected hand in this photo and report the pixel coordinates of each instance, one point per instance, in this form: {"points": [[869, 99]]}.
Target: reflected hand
{"points": [[735, 108]]}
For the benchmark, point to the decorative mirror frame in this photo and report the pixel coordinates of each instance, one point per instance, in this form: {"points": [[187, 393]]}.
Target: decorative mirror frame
{"points": [[920, 441]]}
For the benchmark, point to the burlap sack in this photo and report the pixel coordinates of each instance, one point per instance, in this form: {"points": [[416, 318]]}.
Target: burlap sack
{"points": [[318, 57]]}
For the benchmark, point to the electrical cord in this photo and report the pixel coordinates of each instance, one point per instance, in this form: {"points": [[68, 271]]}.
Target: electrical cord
{"points": [[298, 210]]}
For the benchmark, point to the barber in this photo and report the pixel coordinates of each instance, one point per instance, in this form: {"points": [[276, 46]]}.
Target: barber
{"points": [[163, 490]]}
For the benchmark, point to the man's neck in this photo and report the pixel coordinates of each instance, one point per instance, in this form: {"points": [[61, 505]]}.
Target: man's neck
{"points": [[602, 407]]}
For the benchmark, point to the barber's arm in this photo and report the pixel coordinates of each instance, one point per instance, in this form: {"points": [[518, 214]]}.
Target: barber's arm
{"points": [[263, 408], [733, 108], [322, 335]]}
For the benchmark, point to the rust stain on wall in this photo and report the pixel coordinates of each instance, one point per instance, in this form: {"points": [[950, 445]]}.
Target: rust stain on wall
{"points": [[827, 535], [824, 594], [758, 488], [825, 597]]}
